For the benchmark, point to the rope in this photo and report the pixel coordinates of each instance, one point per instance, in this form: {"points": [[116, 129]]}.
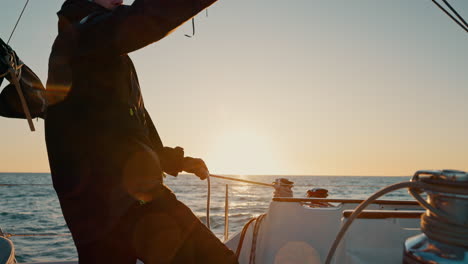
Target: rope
{"points": [[450, 15], [225, 178], [449, 233], [253, 248], [357, 211], [208, 197], [14, 77], [24, 104], [240, 180], [3, 75], [17, 21], [242, 236], [211, 175], [412, 185]]}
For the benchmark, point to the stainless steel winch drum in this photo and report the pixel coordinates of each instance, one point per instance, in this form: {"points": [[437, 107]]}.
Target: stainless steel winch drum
{"points": [[445, 224]]}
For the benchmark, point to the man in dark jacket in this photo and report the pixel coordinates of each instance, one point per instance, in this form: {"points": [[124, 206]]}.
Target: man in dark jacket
{"points": [[105, 155]]}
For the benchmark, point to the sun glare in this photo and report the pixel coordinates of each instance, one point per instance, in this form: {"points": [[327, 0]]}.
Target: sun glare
{"points": [[241, 152]]}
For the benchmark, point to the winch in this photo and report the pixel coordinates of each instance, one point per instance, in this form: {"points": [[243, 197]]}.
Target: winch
{"points": [[444, 226]]}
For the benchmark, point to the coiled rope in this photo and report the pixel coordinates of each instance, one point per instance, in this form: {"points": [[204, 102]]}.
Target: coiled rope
{"points": [[256, 230], [253, 247], [413, 187], [242, 237], [450, 233]]}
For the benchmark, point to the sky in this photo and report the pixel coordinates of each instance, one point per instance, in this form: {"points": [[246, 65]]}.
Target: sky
{"points": [[302, 87]]}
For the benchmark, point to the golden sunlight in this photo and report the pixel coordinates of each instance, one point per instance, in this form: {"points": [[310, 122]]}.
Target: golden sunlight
{"points": [[242, 151]]}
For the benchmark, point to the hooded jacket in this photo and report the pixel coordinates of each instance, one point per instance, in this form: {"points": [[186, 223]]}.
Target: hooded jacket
{"points": [[96, 121]]}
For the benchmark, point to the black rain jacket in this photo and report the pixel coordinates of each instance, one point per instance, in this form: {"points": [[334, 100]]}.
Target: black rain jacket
{"points": [[102, 145]]}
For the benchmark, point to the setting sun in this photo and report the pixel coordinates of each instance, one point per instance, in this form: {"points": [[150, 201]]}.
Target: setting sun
{"points": [[243, 151]]}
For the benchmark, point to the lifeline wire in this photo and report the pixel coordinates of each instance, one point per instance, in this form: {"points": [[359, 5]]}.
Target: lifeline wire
{"points": [[19, 18], [32, 235]]}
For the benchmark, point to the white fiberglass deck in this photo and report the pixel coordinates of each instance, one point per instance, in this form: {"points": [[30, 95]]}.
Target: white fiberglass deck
{"points": [[293, 232]]}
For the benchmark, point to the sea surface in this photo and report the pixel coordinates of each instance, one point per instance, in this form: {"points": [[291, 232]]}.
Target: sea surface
{"points": [[29, 205]]}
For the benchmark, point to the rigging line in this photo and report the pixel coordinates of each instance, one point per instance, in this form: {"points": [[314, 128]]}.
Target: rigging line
{"points": [[240, 180], [17, 21], [456, 13], [450, 15]]}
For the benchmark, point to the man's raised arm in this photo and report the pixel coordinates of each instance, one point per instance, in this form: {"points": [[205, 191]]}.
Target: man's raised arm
{"points": [[128, 28]]}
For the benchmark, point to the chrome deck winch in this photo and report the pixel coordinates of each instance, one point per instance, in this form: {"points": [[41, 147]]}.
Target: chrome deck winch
{"points": [[445, 223]]}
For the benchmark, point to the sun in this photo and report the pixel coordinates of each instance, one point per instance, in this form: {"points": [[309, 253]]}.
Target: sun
{"points": [[242, 152]]}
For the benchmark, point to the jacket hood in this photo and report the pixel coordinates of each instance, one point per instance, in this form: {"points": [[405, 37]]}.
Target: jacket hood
{"points": [[75, 10]]}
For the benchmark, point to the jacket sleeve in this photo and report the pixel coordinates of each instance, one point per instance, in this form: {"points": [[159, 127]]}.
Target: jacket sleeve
{"points": [[129, 28], [34, 94], [171, 158]]}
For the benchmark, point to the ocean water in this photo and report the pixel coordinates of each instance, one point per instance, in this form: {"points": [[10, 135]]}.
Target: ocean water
{"points": [[29, 205]]}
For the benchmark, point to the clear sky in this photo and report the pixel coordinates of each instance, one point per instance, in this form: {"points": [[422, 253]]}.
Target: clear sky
{"points": [[312, 87]]}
